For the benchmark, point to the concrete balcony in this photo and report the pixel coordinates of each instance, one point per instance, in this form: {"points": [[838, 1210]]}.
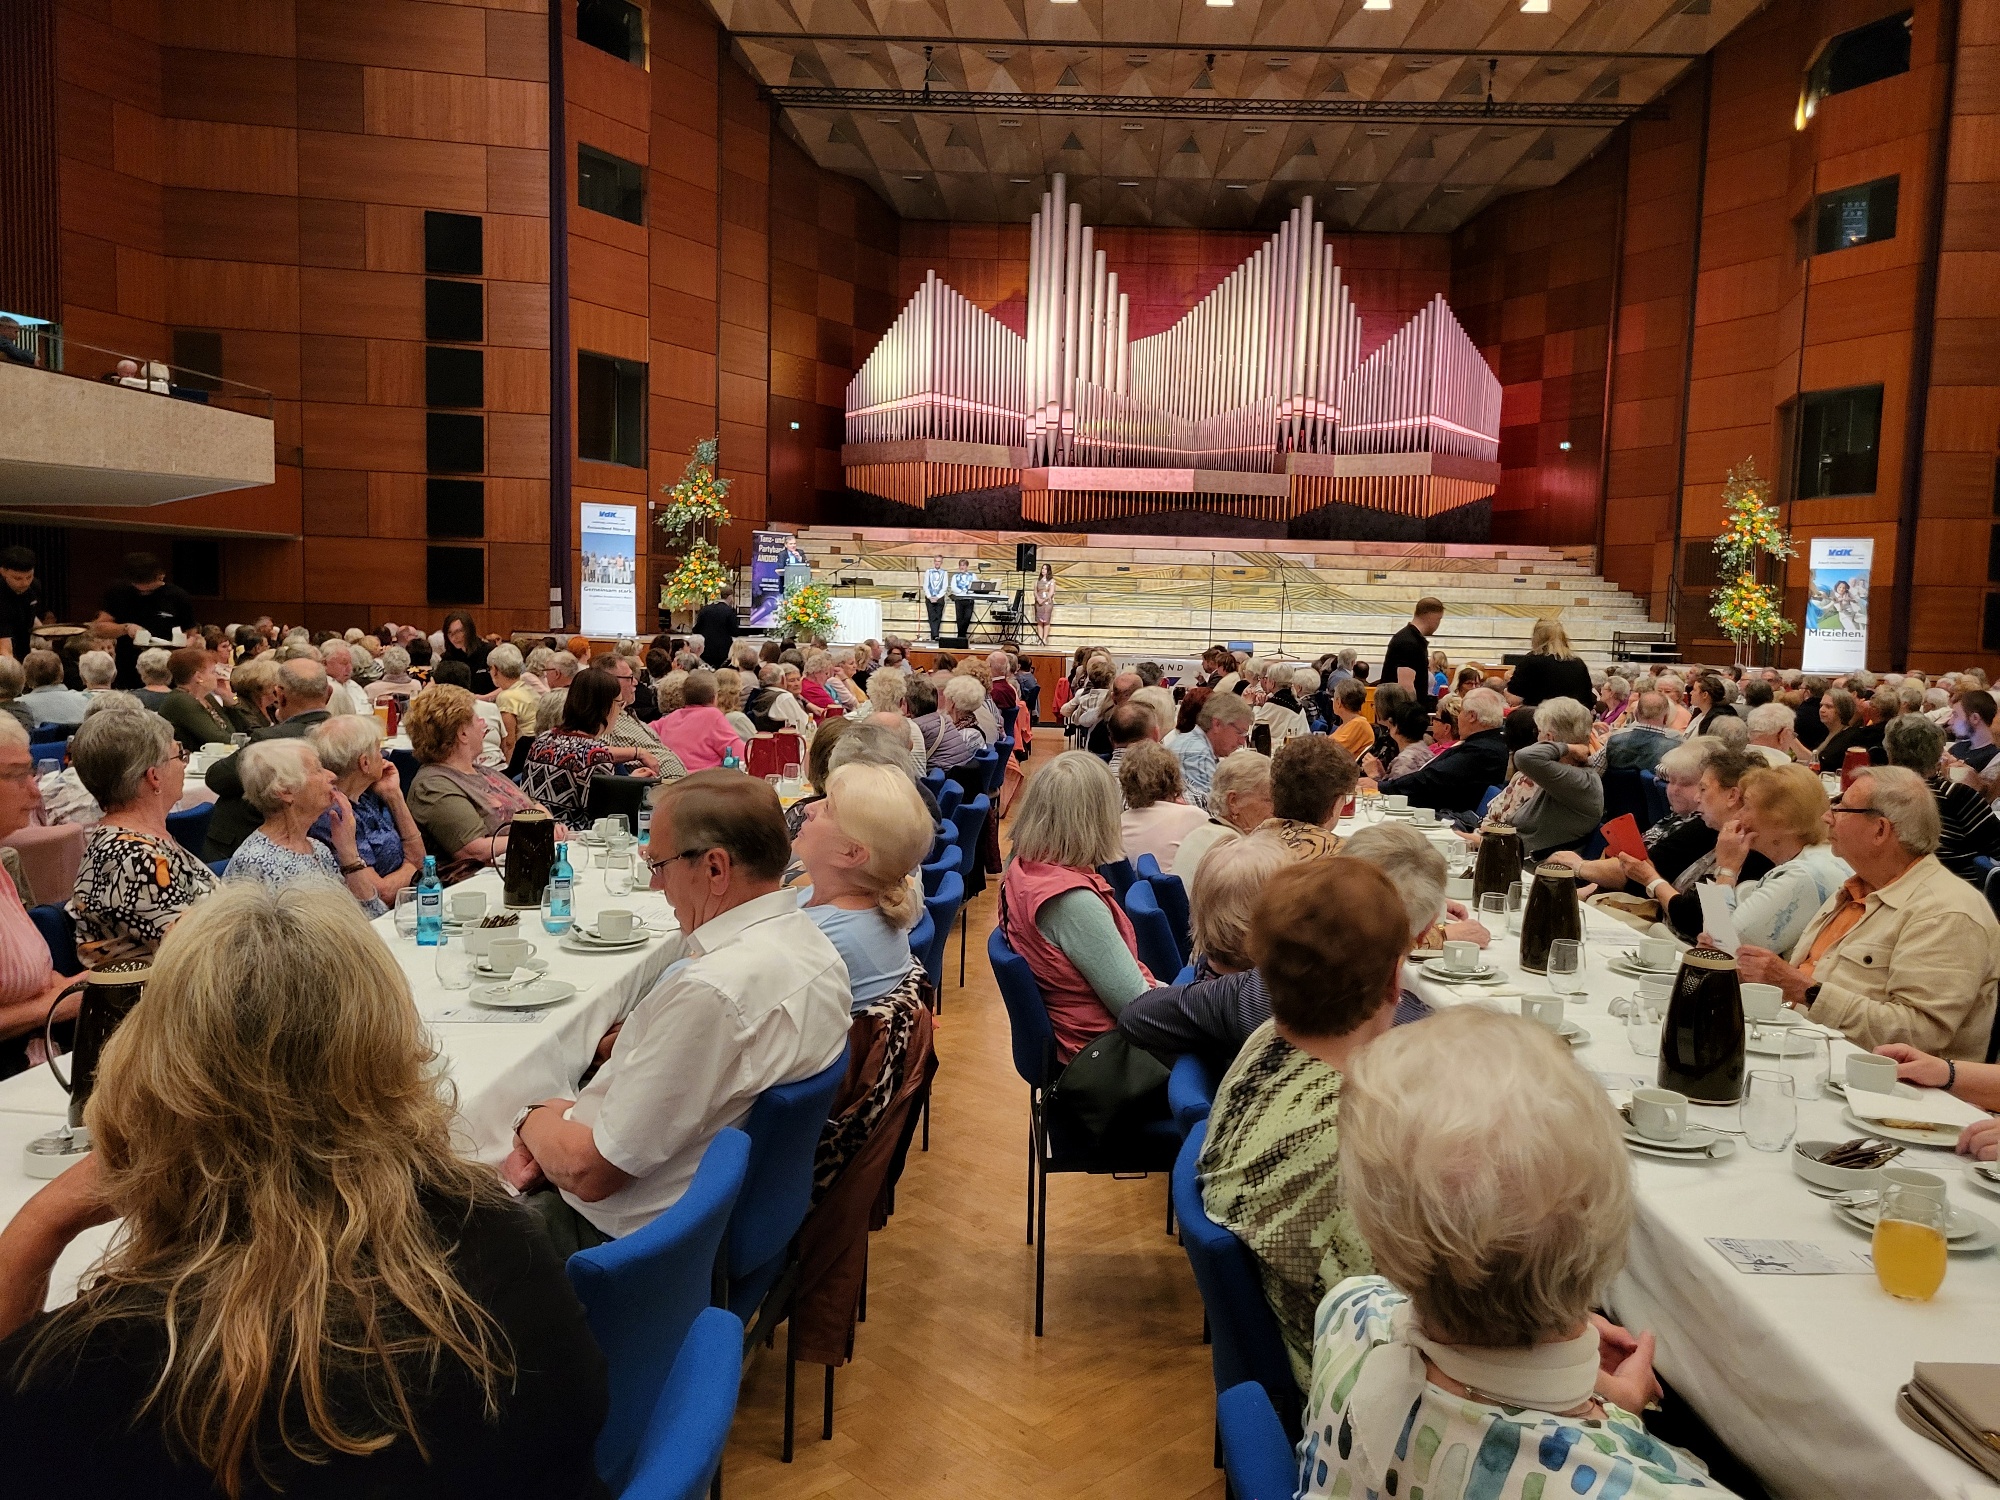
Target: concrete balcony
{"points": [[71, 441]]}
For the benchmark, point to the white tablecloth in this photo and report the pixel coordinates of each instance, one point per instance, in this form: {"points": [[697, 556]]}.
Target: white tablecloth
{"points": [[495, 1067], [1798, 1374]]}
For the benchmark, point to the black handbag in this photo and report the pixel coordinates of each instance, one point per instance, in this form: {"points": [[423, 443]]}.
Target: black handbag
{"points": [[1105, 1080]]}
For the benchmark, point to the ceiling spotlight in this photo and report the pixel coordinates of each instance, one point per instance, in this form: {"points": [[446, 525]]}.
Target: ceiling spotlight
{"points": [[1376, 5], [1534, 7], [1133, 125], [1128, 184], [1377, 131], [1340, 189], [1010, 124], [1220, 4], [917, 178], [1137, 59], [1564, 446], [1019, 181], [998, 54], [1238, 187]]}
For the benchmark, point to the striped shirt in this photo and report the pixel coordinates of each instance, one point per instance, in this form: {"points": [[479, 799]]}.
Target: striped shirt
{"points": [[1967, 829]]}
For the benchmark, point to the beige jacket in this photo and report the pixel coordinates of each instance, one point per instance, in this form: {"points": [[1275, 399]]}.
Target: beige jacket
{"points": [[1921, 966]]}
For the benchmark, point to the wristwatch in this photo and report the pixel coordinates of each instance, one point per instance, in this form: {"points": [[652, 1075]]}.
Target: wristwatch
{"points": [[1811, 994], [354, 869], [522, 1119]]}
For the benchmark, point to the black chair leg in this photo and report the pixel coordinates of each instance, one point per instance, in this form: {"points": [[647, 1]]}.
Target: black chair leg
{"points": [[715, 1484], [1218, 1446], [963, 921], [861, 1312], [791, 1384], [1034, 1150], [1170, 1212], [927, 1123], [1041, 1245], [826, 1417], [1207, 1333]]}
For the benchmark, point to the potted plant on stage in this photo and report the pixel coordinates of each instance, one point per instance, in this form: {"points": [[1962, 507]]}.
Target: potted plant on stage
{"points": [[806, 613], [696, 511], [1750, 613]]}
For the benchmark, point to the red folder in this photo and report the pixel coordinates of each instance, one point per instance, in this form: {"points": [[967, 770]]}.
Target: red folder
{"points": [[1622, 836]]}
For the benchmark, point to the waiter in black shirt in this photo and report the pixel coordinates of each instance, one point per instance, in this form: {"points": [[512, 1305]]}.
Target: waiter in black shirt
{"points": [[1408, 659], [144, 604], [20, 602]]}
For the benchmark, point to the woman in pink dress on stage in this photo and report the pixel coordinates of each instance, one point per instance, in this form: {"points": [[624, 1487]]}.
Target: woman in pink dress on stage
{"points": [[1045, 603]]}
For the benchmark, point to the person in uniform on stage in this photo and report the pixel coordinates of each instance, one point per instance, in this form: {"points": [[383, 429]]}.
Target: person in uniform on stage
{"points": [[961, 599], [1045, 603], [937, 583]]}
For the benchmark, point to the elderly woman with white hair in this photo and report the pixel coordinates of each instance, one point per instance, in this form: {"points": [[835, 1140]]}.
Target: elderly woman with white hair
{"points": [[1568, 802], [156, 677], [1156, 817], [1497, 1203], [1239, 801], [284, 780], [1291, 687], [516, 699], [860, 846], [386, 836], [889, 693]]}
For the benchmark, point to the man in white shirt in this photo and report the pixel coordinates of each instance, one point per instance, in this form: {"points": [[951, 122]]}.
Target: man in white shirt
{"points": [[937, 583], [348, 696], [758, 998]]}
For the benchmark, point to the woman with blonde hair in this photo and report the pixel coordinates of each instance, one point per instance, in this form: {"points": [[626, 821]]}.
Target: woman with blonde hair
{"points": [[729, 699], [1156, 817], [312, 1291], [1550, 669], [860, 846], [461, 806], [1497, 1204], [1783, 818]]}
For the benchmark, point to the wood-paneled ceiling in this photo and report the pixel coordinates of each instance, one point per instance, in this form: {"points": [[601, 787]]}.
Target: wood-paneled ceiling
{"points": [[1185, 112]]}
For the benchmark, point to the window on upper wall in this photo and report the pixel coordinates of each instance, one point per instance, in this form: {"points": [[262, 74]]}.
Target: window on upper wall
{"points": [[614, 26], [1858, 215], [610, 410], [610, 185], [1839, 439], [197, 359], [1865, 55]]}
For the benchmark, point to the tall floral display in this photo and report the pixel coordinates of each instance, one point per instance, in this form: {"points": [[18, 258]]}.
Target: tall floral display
{"points": [[696, 510], [1748, 611]]}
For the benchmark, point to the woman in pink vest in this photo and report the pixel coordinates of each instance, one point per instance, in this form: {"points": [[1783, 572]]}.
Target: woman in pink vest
{"points": [[699, 732], [1058, 913]]}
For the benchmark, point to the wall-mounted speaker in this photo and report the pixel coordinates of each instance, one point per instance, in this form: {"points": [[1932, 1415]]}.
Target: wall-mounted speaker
{"points": [[1024, 557], [454, 442], [455, 312], [454, 377], [455, 507], [454, 575], [454, 244]]}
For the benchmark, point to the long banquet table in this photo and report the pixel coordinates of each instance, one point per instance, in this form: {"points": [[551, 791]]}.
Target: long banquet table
{"points": [[495, 1066], [1798, 1374]]}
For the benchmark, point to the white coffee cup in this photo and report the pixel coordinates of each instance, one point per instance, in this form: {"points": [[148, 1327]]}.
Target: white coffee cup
{"points": [[1763, 1002], [1423, 817], [1871, 1074], [1460, 957], [508, 953], [468, 906], [1657, 990], [1659, 1114], [1923, 1184], [615, 924], [1543, 1010], [1459, 889], [1395, 799], [478, 940], [1656, 953]]}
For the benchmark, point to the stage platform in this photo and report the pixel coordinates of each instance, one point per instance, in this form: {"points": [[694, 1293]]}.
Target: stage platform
{"points": [[1175, 595]]}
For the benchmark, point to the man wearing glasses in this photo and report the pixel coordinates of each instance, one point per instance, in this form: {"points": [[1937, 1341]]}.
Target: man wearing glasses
{"points": [[626, 728], [757, 998], [1904, 951]]}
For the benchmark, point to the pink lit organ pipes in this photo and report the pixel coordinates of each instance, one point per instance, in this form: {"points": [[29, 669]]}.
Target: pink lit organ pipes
{"points": [[1267, 364]]}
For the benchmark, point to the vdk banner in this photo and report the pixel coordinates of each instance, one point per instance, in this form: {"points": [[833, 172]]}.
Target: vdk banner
{"points": [[767, 577], [608, 603], [1836, 638]]}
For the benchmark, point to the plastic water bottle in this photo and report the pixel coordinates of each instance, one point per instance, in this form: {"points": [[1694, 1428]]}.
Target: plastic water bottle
{"points": [[430, 905], [645, 821], [559, 910], [730, 762]]}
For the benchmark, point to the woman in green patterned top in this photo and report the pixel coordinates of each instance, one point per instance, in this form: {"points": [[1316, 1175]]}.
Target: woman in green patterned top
{"points": [[1328, 936], [1498, 1201]]}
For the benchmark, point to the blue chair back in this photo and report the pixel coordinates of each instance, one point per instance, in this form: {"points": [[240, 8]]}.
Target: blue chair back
{"points": [[1247, 1344], [1120, 874], [1171, 892], [783, 1127], [1625, 792], [190, 829], [985, 767], [1993, 889], [949, 796], [1034, 1039], [1657, 806], [971, 820], [59, 932], [1007, 717], [50, 734], [220, 866], [641, 1295], [1257, 1457], [1190, 1092], [921, 937], [405, 763], [688, 1428], [940, 910], [947, 838], [1003, 751], [1486, 801], [941, 865], [1157, 949], [1146, 867], [935, 780]]}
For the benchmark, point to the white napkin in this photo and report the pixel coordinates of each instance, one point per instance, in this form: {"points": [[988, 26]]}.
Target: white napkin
{"points": [[523, 975], [1718, 915], [1931, 1106]]}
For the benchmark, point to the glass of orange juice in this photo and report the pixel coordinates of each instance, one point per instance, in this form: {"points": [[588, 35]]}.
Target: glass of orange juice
{"points": [[1909, 1242]]}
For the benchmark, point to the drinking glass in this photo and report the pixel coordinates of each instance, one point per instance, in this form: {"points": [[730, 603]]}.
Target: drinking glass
{"points": [[1810, 1055], [1909, 1242], [1371, 808], [454, 964], [1516, 900], [1769, 1112], [553, 924], [406, 912], [793, 770], [1565, 974], [617, 873], [1643, 1019], [1493, 912]]}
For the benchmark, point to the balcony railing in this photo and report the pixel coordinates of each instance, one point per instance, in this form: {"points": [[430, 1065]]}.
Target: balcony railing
{"points": [[25, 341]]}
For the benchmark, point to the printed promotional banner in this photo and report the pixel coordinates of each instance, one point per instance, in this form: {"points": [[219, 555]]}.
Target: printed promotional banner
{"points": [[1836, 638], [609, 601], [767, 577]]}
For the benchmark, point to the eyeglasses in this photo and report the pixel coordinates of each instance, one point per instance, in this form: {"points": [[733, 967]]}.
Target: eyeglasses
{"points": [[661, 864], [1869, 812]]}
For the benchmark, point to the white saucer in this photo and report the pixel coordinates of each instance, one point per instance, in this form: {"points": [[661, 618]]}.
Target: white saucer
{"points": [[543, 992], [1484, 974], [1572, 1033], [1862, 1203], [1981, 1180], [1784, 1018], [1692, 1141], [1945, 1136], [1630, 958], [1902, 1090], [1631, 971], [572, 943], [1719, 1148], [539, 965], [590, 939], [1984, 1236]]}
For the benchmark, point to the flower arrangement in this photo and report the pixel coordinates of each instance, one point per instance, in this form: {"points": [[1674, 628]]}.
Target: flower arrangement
{"points": [[1746, 609], [700, 578], [807, 613], [697, 500]]}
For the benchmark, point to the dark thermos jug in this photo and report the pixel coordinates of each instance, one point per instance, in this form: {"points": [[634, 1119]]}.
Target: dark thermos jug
{"points": [[108, 996], [1702, 1043], [531, 854], [1552, 912], [1498, 866]]}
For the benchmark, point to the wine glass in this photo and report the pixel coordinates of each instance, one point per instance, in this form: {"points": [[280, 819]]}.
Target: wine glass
{"points": [[1371, 808], [1909, 1244], [453, 964], [1493, 912], [1769, 1112], [1565, 973], [406, 912], [1643, 1019], [1516, 900]]}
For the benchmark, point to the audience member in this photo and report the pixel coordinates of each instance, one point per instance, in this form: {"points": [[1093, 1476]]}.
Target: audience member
{"points": [[459, 641], [386, 837], [1221, 728], [860, 846], [194, 708], [284, 780], [1239, 801], [313, 1293], [1967, 829], [1709, 699], [1456, 779], [461, 806], [1771, 736], [729, 703], [254, 686], [1780, 816], [1904, 951], [1497, 1203], [562, 762], [1352, 733], [818, 767], [1718, 800], [46, 700], [1840, 712], [1128, 724], [302, 694], [1328, 937], [156, 677], [135, 879], [344, 694], [625, 728], [1410, 732], [1568, 802], [698, 733], [760, 998], [513, 694], [28, 981], [1644, 738], [1311, 781], [1156, 817]]}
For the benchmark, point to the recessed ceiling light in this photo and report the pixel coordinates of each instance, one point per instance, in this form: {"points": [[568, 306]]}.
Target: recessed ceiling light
{"points": [[1019, 181], [1375, 4], [1128, 184], [998, 54], [1133, 125], [1010, 124], [1376, 130], [1238, 187], [857, 51], [1454, 190], [1341, 189], [889, 119], [1137, 59], [1277, 62], [1534, 7], [1220, 4], [1416, 64], [916, 178], [1256, 130]]}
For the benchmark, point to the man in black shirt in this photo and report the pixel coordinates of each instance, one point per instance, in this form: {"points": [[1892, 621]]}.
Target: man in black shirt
{"points": [[20, 602], [146, 605], [717, 625], [1408, 659]]}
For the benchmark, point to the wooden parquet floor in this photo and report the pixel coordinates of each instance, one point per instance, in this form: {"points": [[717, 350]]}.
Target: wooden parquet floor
{"points": [[949, 1392]]}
